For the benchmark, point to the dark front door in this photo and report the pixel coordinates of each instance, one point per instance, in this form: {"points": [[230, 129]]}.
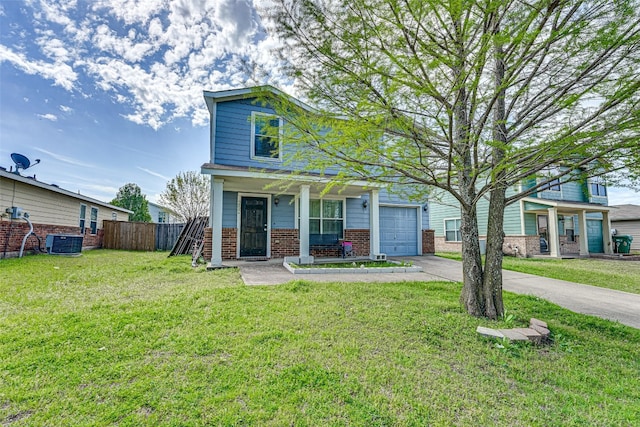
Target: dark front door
{"points": [[253, 226]]}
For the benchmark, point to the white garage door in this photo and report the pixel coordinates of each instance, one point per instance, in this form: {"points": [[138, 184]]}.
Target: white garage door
{"points": [[398, 231]]}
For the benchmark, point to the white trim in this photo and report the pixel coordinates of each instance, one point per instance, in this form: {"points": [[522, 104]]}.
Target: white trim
{"points": [[239, 220], [252, 92], [444, 228], [212, 132], [419, 220], [225, 173], [588, 207], [252, 153], [523, 229], [217, 201], [90, 220]]}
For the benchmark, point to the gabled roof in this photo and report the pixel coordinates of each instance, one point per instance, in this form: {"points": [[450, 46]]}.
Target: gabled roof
{"points": [[55, 189], [625, 213], [249, 92]]}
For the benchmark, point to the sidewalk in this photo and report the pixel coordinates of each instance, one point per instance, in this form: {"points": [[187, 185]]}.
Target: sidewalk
{"points": [[609, 304]]}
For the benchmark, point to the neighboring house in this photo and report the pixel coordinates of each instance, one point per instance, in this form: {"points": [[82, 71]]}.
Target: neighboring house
{"points": [[252, 218], [51, 210], [625, 219], [161, 215], [562, 219]]}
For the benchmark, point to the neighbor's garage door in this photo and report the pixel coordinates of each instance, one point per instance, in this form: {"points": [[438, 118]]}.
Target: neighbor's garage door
{"points": [[594, 236], [398, 231]]}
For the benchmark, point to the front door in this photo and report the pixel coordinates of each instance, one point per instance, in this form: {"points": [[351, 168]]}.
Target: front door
{"points": [[253, 227], [543, 228]]}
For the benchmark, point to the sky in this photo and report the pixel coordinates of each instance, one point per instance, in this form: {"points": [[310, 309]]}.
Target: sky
{"points": [[108, 92]]}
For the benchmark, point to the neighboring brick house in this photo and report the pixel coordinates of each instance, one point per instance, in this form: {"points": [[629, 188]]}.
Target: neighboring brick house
{"points": [[563, 219], [51, 210], [251, 218]]}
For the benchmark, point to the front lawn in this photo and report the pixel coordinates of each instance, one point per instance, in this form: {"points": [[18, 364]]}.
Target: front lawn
{"points": [[619, 275], [135, 339]]}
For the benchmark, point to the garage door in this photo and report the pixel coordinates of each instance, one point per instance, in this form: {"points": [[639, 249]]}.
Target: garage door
{"points": [[398, 231], [594, 236]]}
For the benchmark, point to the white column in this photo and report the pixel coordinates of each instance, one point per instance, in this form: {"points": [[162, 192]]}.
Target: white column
{"points": [[216, 222], [554, 239], [304, 225], [584, 239], [606, 233], [374, 224]]}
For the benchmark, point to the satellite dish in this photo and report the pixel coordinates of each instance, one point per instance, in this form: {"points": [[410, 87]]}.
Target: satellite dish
{"points": [[22, 162]]}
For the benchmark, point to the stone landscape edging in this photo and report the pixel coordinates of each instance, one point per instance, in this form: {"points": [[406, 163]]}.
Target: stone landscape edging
{"points": [[364, 270]]}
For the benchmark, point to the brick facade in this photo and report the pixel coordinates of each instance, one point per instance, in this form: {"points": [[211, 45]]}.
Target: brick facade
{"points": [[284, 242], [428, 242], [12, 233], [229, 238], [520, 246], [360, 240]]}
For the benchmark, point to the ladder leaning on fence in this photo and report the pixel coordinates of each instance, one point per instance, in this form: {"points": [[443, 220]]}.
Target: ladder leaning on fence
{"points": [[191, 239]]}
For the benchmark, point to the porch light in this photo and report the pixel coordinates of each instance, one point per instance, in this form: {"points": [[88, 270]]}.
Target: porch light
{"points": [[276, 201], [365, 204]]}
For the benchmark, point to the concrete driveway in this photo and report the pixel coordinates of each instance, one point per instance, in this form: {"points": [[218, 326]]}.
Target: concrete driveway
{"points": [[609, 304]]}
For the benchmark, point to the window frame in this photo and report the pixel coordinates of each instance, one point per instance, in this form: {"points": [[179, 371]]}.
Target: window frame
{"points": [[93, 223], [253, 155], [322, 218], [82, 217], [458, 234], [600, 186]]}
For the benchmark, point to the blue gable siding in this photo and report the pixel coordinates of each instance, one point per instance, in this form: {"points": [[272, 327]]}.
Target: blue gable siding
{"points": [[283, 215], [229, 209], [357, 216]]}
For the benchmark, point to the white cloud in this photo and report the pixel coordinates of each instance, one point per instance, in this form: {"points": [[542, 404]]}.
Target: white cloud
{"points": [[64, 159], [155, 57], [65, 109], [51, 117], [62, 74], [156, 174]]}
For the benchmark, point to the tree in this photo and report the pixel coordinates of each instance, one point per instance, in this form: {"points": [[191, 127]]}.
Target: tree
{"points": [[188, 195], [469, 97], [130, 197]]}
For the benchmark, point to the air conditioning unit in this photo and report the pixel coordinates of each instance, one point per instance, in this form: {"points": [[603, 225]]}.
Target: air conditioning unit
{"points": [[59, 244]]}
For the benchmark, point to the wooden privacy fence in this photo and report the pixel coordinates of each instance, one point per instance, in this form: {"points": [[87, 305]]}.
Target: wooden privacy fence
{"points": [[140, 236]]}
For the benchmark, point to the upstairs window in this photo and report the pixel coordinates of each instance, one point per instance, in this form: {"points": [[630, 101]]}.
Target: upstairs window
{"points": [[266, 132], [598, 189], [452, 230], [553, 185]]}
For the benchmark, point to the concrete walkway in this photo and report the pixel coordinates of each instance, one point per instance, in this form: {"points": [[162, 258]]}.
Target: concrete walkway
{"points": [[609, 304]]}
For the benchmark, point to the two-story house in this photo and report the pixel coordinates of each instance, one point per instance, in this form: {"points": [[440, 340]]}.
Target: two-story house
{"points": [[563, 218], [252, 216]]}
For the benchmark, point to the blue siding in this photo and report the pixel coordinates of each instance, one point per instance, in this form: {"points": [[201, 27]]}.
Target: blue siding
{"points": [[229, 209], [283, 215], [530, 224], [357, 216]]}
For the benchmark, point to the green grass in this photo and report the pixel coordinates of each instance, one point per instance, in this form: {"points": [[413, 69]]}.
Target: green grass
{"points": [[619, 275], [136, 339]]}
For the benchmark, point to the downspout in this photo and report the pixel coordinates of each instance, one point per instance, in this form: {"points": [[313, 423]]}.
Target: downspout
{"points": [[24, 240]]}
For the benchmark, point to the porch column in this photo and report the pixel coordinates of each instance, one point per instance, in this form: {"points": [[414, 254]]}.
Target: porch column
{"points": [[554, 239], [304, 224], [216, 221], [374, 224], [584, 239], [606, 233]]}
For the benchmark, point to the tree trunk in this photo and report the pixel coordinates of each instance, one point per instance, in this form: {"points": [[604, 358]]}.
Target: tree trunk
{"points": [[492, 284], [472, 295], [492, 280]]}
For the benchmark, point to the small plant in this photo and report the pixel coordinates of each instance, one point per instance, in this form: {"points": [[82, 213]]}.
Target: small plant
{"points": [[508, 318]]}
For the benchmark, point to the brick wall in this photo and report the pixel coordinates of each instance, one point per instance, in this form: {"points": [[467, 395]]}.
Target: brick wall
{"points": [[284, 242], [229, 238], [360, 240], [12, 233], [428, 242]]}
